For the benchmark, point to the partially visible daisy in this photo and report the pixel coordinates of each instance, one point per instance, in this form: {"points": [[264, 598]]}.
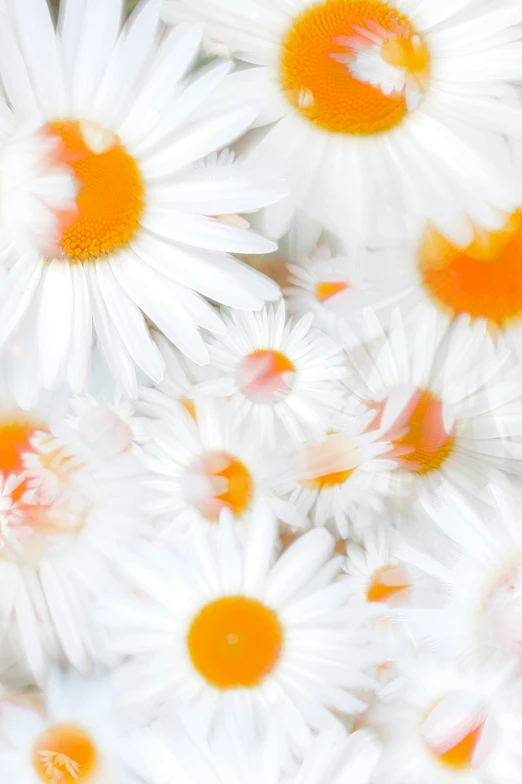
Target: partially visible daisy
{"points": [[480, 572], [279, 376], [142, 240], [339, 287], [75, 738], [249, 643], [449, 723], [174, 750], [372, 103], [200, 463], [330, 479], [444, 400]]}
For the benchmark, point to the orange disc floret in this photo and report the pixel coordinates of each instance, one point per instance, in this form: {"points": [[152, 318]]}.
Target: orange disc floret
{"points": [[322, 88], [110, 199], [64, 753], [483, 280], [235, 642]]}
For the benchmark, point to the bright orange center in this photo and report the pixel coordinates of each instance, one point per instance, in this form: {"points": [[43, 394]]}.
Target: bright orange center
{"points": [[110, 198], [266, 376], [64, 754], [326, 90], [15, 441], [423, 444], [328, 289], [455, 746], [484, 280], [219, 481], [235, 642], [386, 583]]}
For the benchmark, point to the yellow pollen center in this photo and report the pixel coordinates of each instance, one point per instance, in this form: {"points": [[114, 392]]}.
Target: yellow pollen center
{"points": [[266, 376], [423, 444], [483, 280], [328, 289], [219, 481], [329, 50], [64, 754], [453, 739], [235, 642], [109, 203], [387, 582]]}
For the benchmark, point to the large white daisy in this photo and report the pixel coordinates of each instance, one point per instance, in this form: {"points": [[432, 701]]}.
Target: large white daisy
{"points": [[142, 239], [404, 103], [281, 378], [248, 642], [75, 739], [446, 402]]}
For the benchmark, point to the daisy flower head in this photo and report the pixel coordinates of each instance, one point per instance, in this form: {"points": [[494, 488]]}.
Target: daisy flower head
{"points": [[61, 527], [330, 479], [73, 739], [449, 722], [142, 240], [200, 463], [251, 644], [445, 402], [376, 103], [480, 571], [281, 377]]}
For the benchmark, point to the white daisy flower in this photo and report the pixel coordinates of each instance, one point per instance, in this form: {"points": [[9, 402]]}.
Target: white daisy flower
{"points": [[75, 740], [480, 572], [375, 102], [279, 376], [142, 240], [172, 751], [201, 464], [445, 401], [59, 545], [449, 723], [248, 643], [330, 479]]}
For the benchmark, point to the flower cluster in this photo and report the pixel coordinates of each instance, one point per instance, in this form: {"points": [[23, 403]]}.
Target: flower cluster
{"points": [[261, 392]]}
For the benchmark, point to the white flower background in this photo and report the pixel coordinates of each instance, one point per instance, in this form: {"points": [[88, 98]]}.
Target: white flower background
{"points": [[261, 391]]}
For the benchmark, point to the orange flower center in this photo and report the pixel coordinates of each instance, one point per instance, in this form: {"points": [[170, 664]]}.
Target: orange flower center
{"points": [[218, 481], [329, 462], [387, 582], [328, 289], [110, 198], [15, 441], [453, 729], [64, 754], [484, 280], [420, 441], [235, 642], [266, 376], [336, 63]]}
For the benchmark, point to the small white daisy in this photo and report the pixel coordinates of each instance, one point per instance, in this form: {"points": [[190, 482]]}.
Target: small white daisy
{"points": [[200, 462], [75, 739], [247, 642], [449, 723], [372, 102], [445, 401], [279, 376], [142, 240], [330, 479]]}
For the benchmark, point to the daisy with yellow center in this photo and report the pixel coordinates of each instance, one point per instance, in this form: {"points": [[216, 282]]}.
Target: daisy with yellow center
{"points": [[281, 378], [202, 463], [74, 739], [141, 239], [448, 723], [250, 642], [374, 103], [443, 401]]}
